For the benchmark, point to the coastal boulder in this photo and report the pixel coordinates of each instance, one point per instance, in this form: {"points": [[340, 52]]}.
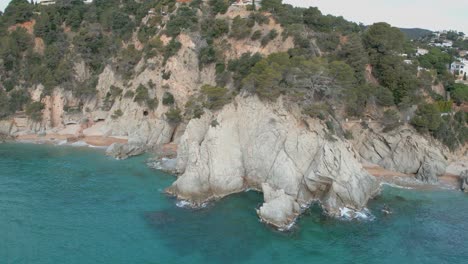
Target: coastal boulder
{"points": [[279, 209], [123, 151]]}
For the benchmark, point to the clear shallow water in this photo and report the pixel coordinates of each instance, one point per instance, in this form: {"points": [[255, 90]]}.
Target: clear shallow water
{"points": [[74, 205]]}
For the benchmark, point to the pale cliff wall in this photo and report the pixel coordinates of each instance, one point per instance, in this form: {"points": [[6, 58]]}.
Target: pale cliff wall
{"points": [[402, 150], [256, 143]]}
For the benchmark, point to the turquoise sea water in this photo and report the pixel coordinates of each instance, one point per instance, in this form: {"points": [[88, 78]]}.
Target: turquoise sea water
{"points": [[74, 205]]}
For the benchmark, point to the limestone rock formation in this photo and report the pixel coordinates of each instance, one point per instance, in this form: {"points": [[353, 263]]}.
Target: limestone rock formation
{"points": [[402, 150], [124, 151], [256, 143]]}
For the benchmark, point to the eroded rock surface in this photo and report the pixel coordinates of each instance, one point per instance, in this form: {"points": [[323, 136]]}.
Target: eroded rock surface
{"points": [[279, 208], [402, 150], [255, 143]]}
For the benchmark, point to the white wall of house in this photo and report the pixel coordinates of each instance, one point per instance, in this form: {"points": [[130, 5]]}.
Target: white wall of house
{"points": [[421, 52]]}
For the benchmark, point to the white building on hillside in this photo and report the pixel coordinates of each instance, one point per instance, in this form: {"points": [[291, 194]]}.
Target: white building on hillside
{"points": [[459, 67], [421, 52], [246, 2]]}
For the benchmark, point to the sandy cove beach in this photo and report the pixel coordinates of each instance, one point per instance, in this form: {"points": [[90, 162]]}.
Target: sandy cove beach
{"points": [[447, 181]]}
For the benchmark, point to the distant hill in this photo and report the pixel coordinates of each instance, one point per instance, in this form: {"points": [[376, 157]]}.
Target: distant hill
{"points": [[415, 33]]}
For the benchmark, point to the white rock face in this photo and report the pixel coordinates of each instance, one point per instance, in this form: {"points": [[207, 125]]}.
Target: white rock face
{"points": [[256, 143], [279, 208], [403, 150], [5, 127]]}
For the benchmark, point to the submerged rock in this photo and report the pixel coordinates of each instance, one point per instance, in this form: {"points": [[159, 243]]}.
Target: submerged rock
{"points": [[256, 145], [123, 151]]}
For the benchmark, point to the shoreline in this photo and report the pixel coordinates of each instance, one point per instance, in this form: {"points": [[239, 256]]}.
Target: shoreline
{"points": [[447, 181], [408, 181]]}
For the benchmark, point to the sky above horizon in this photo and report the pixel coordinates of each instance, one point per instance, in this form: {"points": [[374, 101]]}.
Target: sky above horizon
{"points": [[428, 14]]}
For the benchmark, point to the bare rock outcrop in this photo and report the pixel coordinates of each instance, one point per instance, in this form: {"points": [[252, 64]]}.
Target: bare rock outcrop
{"points": [[124, 151], [253, 143], [402, 150], [5, 127], [279, 209]]}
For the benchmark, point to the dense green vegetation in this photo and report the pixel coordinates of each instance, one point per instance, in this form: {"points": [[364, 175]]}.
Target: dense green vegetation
{"points": [[335, 65]]}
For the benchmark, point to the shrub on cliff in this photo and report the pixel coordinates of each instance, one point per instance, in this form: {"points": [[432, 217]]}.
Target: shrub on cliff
{"points": [[241, 67], [86, 88], [152, 103], [452, 131], [4, 104], [219, 6], [384, 96], [460, 93], [301, 78], [117, 113], [328, 41], [240, 28], [174, 116], [207, 55], [94, 47], [186, 18], [256, 35], [355, 55], [390, 120], [214, 28], [259, 18], [22, 39], [215, 97], [113, 93], [427, 118], [142, 97], [269, 37], [129, 94], [141, 94], [127, 60], [171, 49], [18, 11], [34, 111], [168, 99], [18, 99], [122, 25]]}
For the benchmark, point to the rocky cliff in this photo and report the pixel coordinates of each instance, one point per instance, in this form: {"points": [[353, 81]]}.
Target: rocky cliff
{"points": [[402, 150], [262, 146]]}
